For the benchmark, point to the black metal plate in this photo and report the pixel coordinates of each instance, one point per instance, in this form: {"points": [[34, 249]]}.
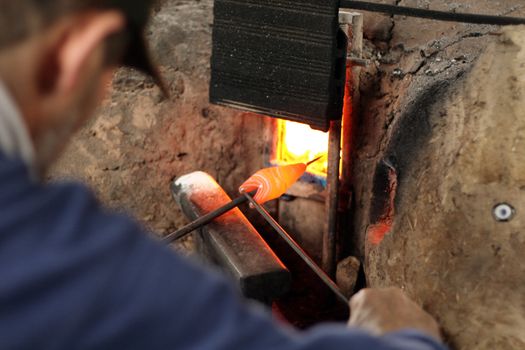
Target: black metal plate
{"points": [[281, 58]]}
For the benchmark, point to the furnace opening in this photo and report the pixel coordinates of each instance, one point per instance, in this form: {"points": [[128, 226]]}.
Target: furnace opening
{"points": [[298, 143]]}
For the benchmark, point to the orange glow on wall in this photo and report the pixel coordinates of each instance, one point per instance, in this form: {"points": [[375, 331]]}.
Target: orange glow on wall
{"points": [[298, 143]]}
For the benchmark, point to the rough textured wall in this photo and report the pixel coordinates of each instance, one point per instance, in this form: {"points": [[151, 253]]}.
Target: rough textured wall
{"points": [[451, 124], [140, 141], [412, 56], [447, 248]]}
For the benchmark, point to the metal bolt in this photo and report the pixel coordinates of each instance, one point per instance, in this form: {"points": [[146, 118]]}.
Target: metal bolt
{"points": [[503, 212]]}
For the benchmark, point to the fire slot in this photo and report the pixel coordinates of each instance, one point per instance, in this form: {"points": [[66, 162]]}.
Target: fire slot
{"points": [[298, 143]]}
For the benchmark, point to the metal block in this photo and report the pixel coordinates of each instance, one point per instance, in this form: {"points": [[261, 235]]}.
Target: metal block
{"points": [[231, 241]]}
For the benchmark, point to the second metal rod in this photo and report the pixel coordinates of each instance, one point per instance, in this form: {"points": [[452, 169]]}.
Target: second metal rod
{"points": [[304, 256], [332, 201], [204, 220]]}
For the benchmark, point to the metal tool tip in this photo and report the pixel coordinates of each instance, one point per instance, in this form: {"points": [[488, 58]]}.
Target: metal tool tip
{"points": [[315, 160]]}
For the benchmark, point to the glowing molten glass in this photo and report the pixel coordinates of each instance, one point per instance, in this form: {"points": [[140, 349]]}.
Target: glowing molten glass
{"points": [[298, 143], [272, 183]]}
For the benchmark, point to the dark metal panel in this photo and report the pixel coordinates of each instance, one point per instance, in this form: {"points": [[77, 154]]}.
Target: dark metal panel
{"points": [[281, 58]]}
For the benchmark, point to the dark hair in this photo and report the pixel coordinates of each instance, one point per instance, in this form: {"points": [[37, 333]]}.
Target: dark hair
{"points": [[20, 19]]}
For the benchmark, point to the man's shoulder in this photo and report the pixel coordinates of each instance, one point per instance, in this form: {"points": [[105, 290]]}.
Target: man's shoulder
{"points": [[74, 263], [54, 213], [13, 171], [18, 186]]}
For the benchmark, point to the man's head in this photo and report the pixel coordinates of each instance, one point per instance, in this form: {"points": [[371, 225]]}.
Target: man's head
{"points": [[57, 56]]}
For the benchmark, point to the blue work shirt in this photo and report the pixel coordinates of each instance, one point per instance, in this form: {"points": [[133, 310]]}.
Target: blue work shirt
{"points": [[75, 276]]}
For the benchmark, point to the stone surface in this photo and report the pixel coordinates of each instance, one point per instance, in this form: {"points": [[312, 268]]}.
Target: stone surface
{"points": [[347, 275], [446, 248], [452, 125], [304, 220]]}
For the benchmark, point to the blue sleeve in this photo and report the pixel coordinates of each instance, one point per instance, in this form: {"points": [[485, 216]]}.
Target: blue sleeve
{"points": [[76, 277]]}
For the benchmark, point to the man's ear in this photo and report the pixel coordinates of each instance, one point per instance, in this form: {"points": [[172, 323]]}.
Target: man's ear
{"points": [[82, 43]]}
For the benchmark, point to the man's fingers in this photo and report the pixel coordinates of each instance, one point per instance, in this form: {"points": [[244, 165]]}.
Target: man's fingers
{"points": [[357, 299], [387, 310]]}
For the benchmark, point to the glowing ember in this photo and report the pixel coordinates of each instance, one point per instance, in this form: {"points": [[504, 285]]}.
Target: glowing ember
{"points": [[377, 232], [298, 143], [272, 183]]}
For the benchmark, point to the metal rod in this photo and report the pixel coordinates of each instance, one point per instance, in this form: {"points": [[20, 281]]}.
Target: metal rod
{"points": [[352, 25], [304, 256], [314, 160], [204, 220], [432, 14], [332, 200]]}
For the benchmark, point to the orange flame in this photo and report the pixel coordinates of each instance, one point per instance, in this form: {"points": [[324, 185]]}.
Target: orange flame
{"points": [[298, 143]]}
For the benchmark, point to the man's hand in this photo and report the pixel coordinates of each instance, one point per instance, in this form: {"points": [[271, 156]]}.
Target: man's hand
{"points": [[382, 311]]}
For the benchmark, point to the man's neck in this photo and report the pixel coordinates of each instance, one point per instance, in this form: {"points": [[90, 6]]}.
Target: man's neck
{"points": [[15, 141]]}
